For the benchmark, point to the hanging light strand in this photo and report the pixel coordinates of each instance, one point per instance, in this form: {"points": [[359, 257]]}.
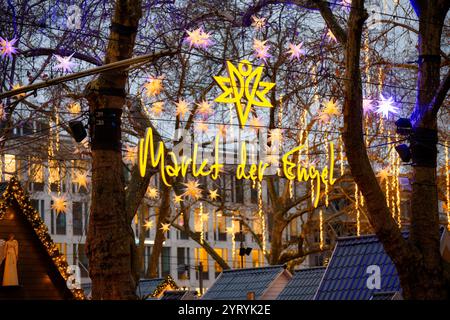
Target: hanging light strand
{"points": [[447, 183], [262, 217], [321, 235], [358, 213]]}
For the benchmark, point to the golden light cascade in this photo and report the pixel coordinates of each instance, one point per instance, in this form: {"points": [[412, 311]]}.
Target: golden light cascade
{"points": [[447, 183], [358, 213], [321, 229], [262, 217]]}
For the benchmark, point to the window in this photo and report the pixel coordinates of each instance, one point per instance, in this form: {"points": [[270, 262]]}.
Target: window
{"points": [[257, 258], [80, 258], [224, 255], [220, 227], [36, 174], [165, 261], [239, 187], [38, 205], [201, 256], [77, 218], [183, 257], [10, 166]]}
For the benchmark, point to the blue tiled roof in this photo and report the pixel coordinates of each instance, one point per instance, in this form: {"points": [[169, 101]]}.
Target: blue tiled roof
{"points": [[346, 275], [303, 284], [148, 286], [235, 284]]}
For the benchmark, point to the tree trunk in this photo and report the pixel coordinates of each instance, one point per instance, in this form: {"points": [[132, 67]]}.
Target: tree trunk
{"points": [[163, 217], [110, 241]]}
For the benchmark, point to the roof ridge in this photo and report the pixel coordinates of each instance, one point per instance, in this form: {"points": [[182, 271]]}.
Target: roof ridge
{"points": [[256, 268]]}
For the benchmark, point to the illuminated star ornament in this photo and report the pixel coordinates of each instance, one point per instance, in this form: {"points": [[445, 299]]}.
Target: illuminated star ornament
{"points": [[204, 108], [152, 193], [130, 154], [331, 108], [386, 107], [148, 224], [165, 227], [383, 174], [59, 204], [368, 106], [261, 49], [20, 95], [158, 108], [258, 23], [64, 63], [296, 51], [198, 38], [192, 189], [244, 82], [153, 86], [213, 194], [177, 199], [182, 107], [74, 108], [275, 135], [7, 48], [81, 179], [201, 126]]}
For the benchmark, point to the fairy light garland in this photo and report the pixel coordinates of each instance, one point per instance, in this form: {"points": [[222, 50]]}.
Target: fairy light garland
{"points": [[358, 213], [398, 202], [15, 194], [262, 217], [341, 155], [168, 282], [202, 232], [321, 235]]}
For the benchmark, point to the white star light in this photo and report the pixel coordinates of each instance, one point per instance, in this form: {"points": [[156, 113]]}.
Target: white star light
{"points": [[296, 51], [386, 107], [64, 63], [368, 106]]}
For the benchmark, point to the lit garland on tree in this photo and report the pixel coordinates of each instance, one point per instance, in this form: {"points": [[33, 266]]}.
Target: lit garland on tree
{"points": [[15, 194], [168, 282]]}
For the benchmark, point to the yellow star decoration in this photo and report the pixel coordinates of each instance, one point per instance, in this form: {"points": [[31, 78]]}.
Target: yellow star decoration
{"points": [[383, 174], [74, 108], [182, 108], [192, 189], [275, 135], [213, 194], [158, 108], [177, 199], [130, 154], [258, 23], [244, 82], [230, 231], [59, 204], [81, 179], [148, 224], [152, 193], [165, 227], [331, 108], [204, 108], [153, 86]]}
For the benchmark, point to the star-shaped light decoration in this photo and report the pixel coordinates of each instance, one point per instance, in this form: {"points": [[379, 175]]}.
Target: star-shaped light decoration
{"points": [[198, 38], [275, 135], [368, 106], [331, 36], [177, 199], [261, 49], [201, 126], [2, 112], [7, 48], [383, 174], [130, 154], [386, 107], [192, 190], [152, 192], [272, 156], [153, 86], [204, 108], [331, 108], [255, 123], [296, 51], [81, 179], [165, 227], [20, 95], [158, 108], [213, 194], [74, 108], [64, 63], [258, 23], [148, 224], [236, 89], [182, 108], [59, 204]]}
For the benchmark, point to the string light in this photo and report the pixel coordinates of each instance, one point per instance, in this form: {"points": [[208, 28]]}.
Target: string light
{"points": [[202, 233], [321, 235], [262, 217], [358, 213]]}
